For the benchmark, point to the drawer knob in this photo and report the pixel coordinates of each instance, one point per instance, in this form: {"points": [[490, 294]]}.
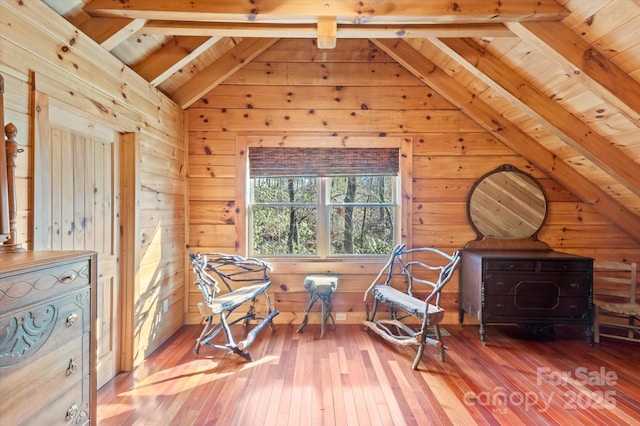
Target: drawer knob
{"points": [[68, 278], [73, 367], [72, 319], [72, 412], [499, 306], [574, 284]]}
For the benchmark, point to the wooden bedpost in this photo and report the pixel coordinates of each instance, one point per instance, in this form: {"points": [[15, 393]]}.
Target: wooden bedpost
{"points": [[4, 197], [12, 245]]}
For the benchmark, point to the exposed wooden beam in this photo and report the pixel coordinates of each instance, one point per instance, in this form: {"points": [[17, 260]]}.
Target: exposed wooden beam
{"points": [[583, 62], [231, 29], [217, 72], [346, 11], [510, 134], [109, 32], [497, 75], [173, 56], [327, 29]]}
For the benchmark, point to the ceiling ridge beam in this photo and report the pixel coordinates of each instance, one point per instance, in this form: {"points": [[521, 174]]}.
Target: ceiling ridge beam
{"points": [[510, 134], [583, 62], [235, 29], [346, 11], [571, 130], [236, 58]]}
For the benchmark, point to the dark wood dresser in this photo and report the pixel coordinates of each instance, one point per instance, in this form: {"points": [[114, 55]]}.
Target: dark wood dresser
{"points": [[47, 342], [534, 288]]}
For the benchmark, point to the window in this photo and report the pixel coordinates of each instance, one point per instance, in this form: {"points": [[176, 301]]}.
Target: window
{"points": [[324, 202]]}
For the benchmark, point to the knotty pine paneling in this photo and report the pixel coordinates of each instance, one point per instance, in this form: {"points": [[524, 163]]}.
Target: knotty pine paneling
{"points": [[212, 211], [293, 91], [45, 53], [318, 120], [211, 188], [325, 97], [366, 74]]}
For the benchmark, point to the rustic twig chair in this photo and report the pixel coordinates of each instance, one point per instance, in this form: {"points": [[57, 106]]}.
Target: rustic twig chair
{"points": [[616, 308], [404, 269], [244, 279]]}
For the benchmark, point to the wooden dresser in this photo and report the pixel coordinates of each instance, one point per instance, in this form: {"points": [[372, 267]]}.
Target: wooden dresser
{"points": [[536, 288], [47, 338]]}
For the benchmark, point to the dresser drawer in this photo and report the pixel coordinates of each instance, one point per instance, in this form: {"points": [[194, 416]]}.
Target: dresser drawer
{"points": [[560, 284], [55, 375], [510, 265], [564, 266], [17, 291], [536, 309]]}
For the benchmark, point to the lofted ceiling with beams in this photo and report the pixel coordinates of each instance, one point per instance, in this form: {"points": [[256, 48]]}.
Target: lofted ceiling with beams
{"points": [[557, 81]]}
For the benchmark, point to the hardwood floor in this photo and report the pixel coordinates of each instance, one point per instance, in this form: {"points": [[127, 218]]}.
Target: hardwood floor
{"points": [[351, 377]]}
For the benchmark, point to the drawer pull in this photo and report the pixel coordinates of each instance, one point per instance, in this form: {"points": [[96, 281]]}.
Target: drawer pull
{"points": [[73, 367], [499, 306], [68, 278], [72, 319], [574, 284], [72, 412]]}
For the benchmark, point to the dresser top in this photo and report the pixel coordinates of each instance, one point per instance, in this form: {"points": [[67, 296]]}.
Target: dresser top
{"points": [[11, 262], [523, 254]]}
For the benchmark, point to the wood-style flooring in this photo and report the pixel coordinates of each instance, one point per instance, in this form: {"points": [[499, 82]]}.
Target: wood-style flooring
{"points": [[352, 377]]}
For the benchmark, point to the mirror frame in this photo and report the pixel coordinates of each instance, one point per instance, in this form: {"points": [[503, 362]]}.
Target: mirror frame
{"points": [[506, 241]]}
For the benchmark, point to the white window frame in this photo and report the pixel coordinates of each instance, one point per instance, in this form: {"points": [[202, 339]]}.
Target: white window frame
{"points": [[323, 207], [242, 181]]}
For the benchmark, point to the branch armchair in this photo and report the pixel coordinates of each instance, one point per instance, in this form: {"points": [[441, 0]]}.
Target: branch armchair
{"points": [[404, 270], [244, 280]]}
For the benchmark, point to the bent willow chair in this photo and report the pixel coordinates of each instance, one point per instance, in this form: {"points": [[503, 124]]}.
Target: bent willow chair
{"points": [[394, 287], [244, 279]]}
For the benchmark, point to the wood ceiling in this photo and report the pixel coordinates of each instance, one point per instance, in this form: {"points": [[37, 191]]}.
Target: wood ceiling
{"points": [[557, 81]]}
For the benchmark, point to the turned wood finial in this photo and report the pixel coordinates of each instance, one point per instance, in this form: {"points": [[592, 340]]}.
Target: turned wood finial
{"points": [[11, 131]]}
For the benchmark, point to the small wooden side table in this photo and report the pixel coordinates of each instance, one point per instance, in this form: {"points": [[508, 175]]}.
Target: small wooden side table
{"points": [[320, 287]]}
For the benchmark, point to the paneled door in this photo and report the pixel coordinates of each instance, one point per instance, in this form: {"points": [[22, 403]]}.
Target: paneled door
{"points": [[84, 213]]}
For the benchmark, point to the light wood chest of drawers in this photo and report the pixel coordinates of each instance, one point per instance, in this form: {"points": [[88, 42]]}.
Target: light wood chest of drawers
{"points": [[47, 343]]}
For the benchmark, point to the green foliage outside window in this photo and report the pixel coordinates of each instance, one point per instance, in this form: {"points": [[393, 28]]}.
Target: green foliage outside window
{"points": [[357, 214]]}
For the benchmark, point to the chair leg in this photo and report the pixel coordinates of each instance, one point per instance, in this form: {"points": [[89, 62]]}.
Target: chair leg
{"points": [[305, 320], [416, 360], [439, 338]]}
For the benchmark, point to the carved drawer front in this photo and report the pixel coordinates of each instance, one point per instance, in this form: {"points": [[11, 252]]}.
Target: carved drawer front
{"points": [[43, 328], [32, 287]]}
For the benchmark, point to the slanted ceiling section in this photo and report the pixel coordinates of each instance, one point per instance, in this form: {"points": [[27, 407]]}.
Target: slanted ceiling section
{"points": [[556, 81]]}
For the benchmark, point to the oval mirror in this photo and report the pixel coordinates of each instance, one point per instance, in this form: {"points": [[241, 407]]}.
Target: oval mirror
{"points": [[506, 203]]}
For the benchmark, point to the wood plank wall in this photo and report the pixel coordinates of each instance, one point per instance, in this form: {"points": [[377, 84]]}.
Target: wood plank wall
{"points": [[40, 51], [294, 90]]}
